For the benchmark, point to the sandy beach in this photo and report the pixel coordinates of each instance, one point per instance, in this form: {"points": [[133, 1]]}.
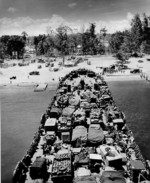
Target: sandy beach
{"points": [[47, 76]]}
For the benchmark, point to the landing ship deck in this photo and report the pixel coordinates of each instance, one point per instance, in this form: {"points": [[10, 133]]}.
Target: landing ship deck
{"points": [[83, 137]]}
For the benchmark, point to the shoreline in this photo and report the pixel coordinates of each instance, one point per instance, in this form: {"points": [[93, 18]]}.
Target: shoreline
{"points": [[110, 77], [119, 77], [123, 78], [48, 76], [31, 86]]}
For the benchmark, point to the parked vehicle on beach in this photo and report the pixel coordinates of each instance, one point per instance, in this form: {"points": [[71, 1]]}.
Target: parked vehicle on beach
{"points": [[40, 60], [140, 61], [34, 73], [55, 69], [135, 71], [39, 66], [47, 64], [13, 77]]}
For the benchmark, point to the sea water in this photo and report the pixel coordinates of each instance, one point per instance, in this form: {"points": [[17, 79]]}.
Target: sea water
{"points": [[133, 98], [22, 109]]}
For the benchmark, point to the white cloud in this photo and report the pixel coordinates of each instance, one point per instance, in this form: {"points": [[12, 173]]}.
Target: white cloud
{"points": [[130, 16], [72, 5], [116, 25], [39, 26], [113, 26], [11, 9], [31, 26]]}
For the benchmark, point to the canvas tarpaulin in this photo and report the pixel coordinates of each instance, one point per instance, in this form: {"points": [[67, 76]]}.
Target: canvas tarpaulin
{"points": [[79, 133], [137, 165], [95, 134], [68, 111]]}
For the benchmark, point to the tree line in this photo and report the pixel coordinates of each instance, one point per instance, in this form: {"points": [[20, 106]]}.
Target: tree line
{"points": [[9, 45], [67, 42], [133, 42], [64, 41]]}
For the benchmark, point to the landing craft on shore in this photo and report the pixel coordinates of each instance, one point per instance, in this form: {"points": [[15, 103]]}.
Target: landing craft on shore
{"points": [[40, 87], [83, 137]]}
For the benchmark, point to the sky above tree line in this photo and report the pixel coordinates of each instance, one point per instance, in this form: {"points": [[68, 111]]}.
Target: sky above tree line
{"points": [[35, 16]]}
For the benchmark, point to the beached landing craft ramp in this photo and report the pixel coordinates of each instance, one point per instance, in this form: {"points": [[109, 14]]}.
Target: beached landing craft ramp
{"points": [[83, 137], [40, 87]]}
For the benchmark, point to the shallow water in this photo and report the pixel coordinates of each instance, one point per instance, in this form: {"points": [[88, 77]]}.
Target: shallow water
{"points": [[22, 109], [21, 112]]}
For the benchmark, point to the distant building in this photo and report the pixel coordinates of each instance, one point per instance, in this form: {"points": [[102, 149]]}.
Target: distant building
{"points": [[30, 49], [79, 50]]}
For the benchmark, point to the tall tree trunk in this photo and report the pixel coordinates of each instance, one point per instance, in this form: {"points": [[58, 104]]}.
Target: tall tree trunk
{"points": [[63, 59]]}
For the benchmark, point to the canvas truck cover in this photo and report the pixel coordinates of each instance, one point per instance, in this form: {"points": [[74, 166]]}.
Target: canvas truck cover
{"points": [[80, 132], [68, 111], [38, 168], [50, 122], [137, 165], [112, 177], [95, 134], [85, 179]]}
